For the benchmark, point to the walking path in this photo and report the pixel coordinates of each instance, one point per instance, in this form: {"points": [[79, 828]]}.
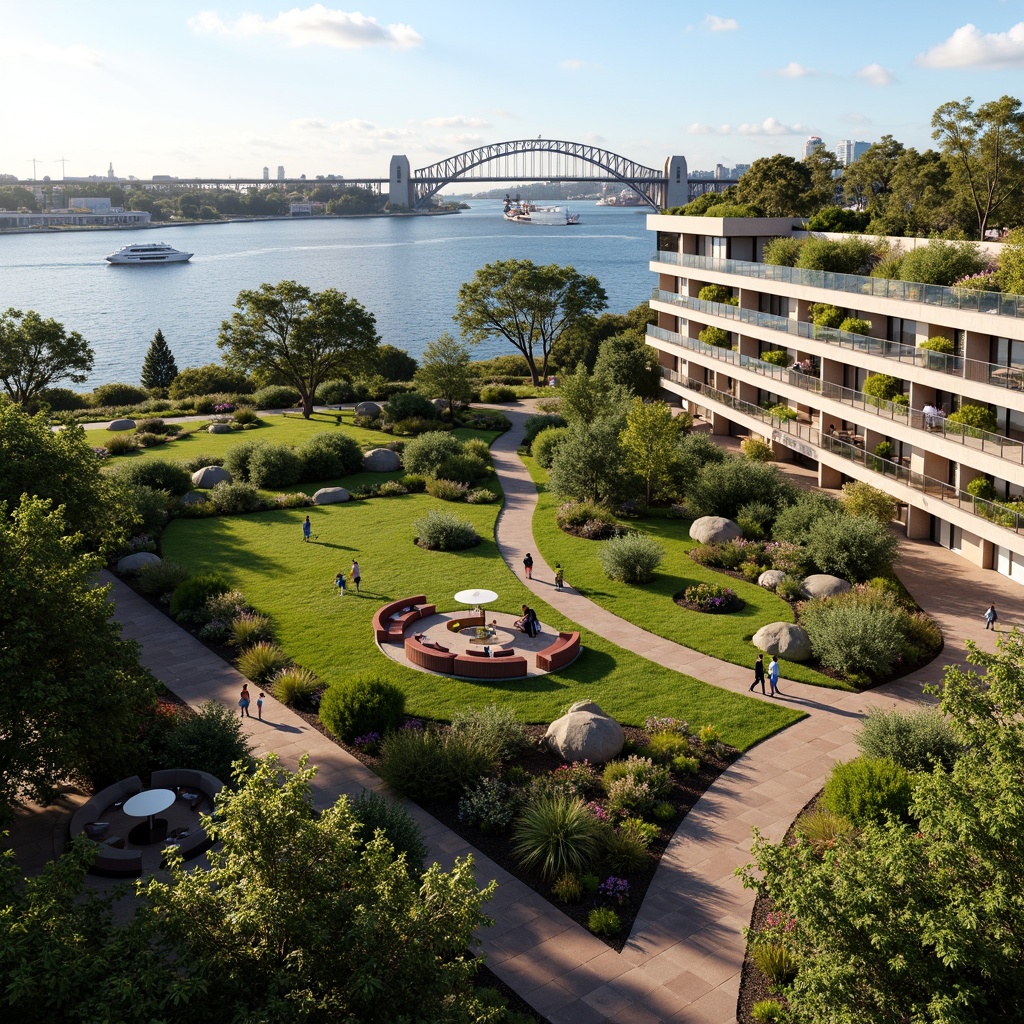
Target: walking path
{"points": [[683, 959]]}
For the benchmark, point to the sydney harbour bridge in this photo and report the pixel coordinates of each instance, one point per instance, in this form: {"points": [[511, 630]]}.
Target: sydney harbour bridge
{"points": [[518, 161]]}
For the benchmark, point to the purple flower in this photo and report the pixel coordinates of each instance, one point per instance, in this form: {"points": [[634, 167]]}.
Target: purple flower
{"points": [[371, 739], [615, 889]]}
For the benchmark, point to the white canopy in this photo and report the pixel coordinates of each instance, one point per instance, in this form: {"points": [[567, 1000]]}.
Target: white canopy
{"points": [[476, 597]]}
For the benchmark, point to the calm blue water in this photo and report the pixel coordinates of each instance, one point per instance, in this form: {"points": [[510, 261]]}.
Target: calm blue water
{"points": [[406, 271]]}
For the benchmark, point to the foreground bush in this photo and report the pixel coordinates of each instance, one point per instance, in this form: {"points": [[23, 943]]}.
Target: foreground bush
{"points": [[235, 498], [274, 466], [376, 813], [867, 790], [855, 548], [261, 662], [496, 729], [425, 454], [191, 596], [160, 578], [631, 558], [210, 741], [156, 473], [723, 488], [916, 740], [535, 424], [555, 835], [426, 766], [360, 705], [445, 531], [328, 456]]}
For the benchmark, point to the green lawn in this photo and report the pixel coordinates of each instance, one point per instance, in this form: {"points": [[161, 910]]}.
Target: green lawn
{"points": [[264, 556], [727, 637]]}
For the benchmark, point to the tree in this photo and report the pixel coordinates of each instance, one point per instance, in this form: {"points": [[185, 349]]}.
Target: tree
{"points": [[590, 464], [302, 337], [921, 199], [1011, 262], [630, 363], [986, 148], [581, 342], [587, 397], [651, 443], [923, 922], [529, 306], [866, 182], [822, 165], [298, 918], [445, 371], [159, 368], [393, 363], [37, 353], [73, 690], [778, 186]]}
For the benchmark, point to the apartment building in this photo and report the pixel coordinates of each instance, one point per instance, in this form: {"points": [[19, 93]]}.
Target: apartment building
{"points": [[811, 406]]}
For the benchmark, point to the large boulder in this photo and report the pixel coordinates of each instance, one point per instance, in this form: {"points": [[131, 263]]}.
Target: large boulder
{"points": [[770, 578], [133, 563], [209, 476], [585, 731], [823, 585], [439, 403], [330, 496], [122, 424], [784, 639], [219, 428], [371, 409], [381, 460], [714, 530]]}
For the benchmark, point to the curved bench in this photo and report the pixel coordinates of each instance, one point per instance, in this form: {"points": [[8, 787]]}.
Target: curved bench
{"points": [[565, 650], [408, 609], [477, 665], [206, 785], [433, 657], [467, 620], [109, 860]]}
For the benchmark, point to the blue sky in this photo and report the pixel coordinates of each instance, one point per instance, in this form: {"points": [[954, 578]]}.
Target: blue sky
{"points": [[224, 88]]}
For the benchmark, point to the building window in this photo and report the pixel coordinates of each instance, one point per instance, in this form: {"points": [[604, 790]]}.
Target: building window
{"points": [[720, 248], [668, 241], [777, 305]]}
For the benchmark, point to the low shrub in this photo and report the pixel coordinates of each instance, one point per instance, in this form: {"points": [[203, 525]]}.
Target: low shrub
{"points": [[227, 605], [855, 325], [260, 662], [722, 489], [160, 578], [782, 251], [376, 813], [464, 468], [978, 417], [196, 462], [854, 548], [495, 394], [575, 517], [860, 499], [535, 424], [642, 769], [604, 921], [622, 853], [298, 499], [481, 496], [235, 498], [841, 256], [336, 392], [414, 483], [546, 444], [663, 811], [239, 457], [714, 293], [276, 396], [156, 473], [943, 345], [391, 489], [328, 455], [776, 357], [445, 531], [715, 336], [425, 454], [767, 1011], [794, 522], [631, 558], [556, 834], [64, 400], [642, 831], [120, 444], [790, 588], [856, 633], [495, 729], [250, 628], [629, 795], [190, 596], [578, 779], [245, 416], [295, 686], [757, 450], [426, 766], [822, 829], [211, 741], [867, 790], [755, 519], [490, 806], [686, 764], [568, 888], [915, 740], [152, 426], [712, 598], [361, 704], [115, 394], [942, 262], [274, 466], [774, 960], [211, 379], [664, 745], [147, 440]]}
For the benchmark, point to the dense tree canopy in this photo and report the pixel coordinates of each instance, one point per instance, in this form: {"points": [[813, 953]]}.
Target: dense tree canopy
{"points": [[529, 306], [778, 186], [445, 371], [298, 336], [36, 354]]}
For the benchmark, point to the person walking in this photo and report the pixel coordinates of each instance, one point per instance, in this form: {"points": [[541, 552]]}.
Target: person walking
{"points": [[528, 565], [243, 702], [559, 577], [758, 673], [773, 675], [307, 530], [355, 574], [991, 618], [259, 706], [339, 582]]}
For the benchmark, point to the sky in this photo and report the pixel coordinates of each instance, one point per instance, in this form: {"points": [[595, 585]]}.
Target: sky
{"points": [[220, 88]]}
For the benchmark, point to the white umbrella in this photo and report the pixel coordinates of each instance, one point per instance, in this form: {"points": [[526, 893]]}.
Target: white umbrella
{"points": [[476, 597]]}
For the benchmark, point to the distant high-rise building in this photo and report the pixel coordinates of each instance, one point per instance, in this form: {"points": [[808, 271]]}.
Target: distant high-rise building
{"points": [[110, 171], [266, 174], [280, 172], [847, 151], [813, 142]]}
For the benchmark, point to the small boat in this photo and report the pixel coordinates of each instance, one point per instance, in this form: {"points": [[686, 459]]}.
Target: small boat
{"points": [[148, 254], [525, 212]]}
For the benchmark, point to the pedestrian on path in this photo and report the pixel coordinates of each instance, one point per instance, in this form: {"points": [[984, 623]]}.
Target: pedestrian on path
{"points": [[758, 673], [559, 577], [339, 582], [773, 675], [259, 706], [307, 529], [243, 702], [991, 618], [355, 574], [528, 565]]}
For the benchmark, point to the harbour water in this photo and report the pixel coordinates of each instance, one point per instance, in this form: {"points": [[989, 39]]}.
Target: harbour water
{"points": [[405, 270]]}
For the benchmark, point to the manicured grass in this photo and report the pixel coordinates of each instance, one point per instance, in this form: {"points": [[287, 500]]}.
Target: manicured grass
{"points": [[650, 606], [264, 556]]}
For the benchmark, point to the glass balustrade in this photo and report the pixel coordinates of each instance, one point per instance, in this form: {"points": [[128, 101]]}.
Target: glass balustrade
{"points": [[971, 437]]}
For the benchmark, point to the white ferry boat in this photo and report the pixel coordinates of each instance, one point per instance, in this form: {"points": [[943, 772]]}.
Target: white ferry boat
{"points": [[530, 213], [147, 254]]}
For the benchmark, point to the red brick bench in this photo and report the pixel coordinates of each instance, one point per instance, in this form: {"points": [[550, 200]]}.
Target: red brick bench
{"points": [[477, 665], [409, 609], [429, 656], [563, 651], [469, 619]]}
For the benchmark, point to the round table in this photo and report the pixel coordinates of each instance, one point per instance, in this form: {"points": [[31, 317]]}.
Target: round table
{"points": [[145, 805]]}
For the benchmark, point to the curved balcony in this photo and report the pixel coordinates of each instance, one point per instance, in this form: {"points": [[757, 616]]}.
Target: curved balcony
{"points": [[1009, 377], [987, 510], [970, 437], [997, 303]]}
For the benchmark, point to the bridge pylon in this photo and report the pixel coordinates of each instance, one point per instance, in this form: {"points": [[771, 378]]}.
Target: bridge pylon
{"points": [[401, 191], [677, 185]]}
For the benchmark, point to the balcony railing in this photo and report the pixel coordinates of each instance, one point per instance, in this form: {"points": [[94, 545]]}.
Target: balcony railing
{"points": [[970, 437], [1010, 377], [854, 284], [988, 510]]}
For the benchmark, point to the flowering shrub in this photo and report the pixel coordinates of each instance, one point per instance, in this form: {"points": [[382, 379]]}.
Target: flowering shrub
{"points": [[598, 811], [368, 743], [629, 795], [489, 806], [711, 597], [653, 725], [224, 407], [413, 724], [614, 889], [579, 778]]}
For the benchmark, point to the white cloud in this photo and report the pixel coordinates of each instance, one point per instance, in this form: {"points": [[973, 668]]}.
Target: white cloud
{"points": [[316, 25], [456, 122], [876, 75], [968, 47], [714, 23], [795, 70], [856, 118], [79, 57], [310, 124], [769, 126]]}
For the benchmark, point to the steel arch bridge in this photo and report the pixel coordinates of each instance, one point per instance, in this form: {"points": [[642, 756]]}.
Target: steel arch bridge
{"points": [[541, 160]]}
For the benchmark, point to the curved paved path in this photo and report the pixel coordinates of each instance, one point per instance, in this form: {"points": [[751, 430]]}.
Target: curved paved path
{"points": [[683, 959]]}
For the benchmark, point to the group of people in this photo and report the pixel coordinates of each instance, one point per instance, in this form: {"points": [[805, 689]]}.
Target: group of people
{"points": [[528, 571], [243, 703], [341, 580], [528, 622], [773, 675]]}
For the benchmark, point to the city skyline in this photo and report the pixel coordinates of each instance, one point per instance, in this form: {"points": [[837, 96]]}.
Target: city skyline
{"points": [[224, 89]]}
